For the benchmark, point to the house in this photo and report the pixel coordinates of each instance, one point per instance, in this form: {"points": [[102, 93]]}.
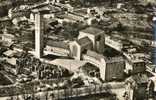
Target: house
{"points": [[12, 61], [134, 64], [96, 36], [8, 37], [111, 68], [115, 67], [9, 53], [114, 43], [66, 18], [57, 47], [90, 70], [48, 11], [17, 12], [16, 20], [79, 15], [80, 46]]}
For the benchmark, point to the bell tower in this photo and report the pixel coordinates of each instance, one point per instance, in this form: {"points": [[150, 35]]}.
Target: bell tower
{"points": [[39, 34]]}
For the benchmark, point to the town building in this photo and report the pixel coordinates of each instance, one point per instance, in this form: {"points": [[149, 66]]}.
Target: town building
{"points": [[16, 20], [90, 70], [17, 12], [59, 47], [50, 11], [80, 15], [80, 46], [96, 36], [7, 37], [89, 39], [113, 43], [134, 64], [111, 68]]}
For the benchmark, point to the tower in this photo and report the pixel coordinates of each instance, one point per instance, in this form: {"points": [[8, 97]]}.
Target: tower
{"points": [[154, 28], [39, 34]]}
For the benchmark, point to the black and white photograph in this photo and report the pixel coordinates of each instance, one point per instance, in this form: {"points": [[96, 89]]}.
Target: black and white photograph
{"points": [[77, 49]]}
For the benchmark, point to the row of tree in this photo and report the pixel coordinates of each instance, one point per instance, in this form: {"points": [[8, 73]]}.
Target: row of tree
{"points": [[5, 5]]}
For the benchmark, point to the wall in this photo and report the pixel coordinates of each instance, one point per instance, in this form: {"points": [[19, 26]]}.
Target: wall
{"points": [[115, 70], [100, 64], [39, 27], [57, 50], [77, 53]]}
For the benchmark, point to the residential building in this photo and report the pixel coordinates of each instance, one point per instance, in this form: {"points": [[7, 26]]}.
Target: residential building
{"points": [[111, 68], [113, 43], [48, 11], [7, 37], [114, 68], [134, 64], [57, 47], [16, 20]]}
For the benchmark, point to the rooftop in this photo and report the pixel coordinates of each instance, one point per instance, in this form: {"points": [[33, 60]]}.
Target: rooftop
{"points": [[95, 55], [92, 30], [69, 17], [133, 58], [89, 67], [84, 41], [114, 59], [58, 44], [6, 44], [81, 11], [9, 35], [9, 53], [12, 61], [47, 9], [107, 59]]}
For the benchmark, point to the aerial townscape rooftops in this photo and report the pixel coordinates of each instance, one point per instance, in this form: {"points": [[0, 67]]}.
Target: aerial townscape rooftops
{"points": [[77, 49], [92, 30]]}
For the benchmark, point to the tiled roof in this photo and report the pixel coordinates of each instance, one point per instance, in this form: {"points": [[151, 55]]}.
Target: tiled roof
{"points": [[142, 78], [95, 55], [92, 30], [98, 57], [58, 44], [9, 36], [114, 59], [44, 9], [9, 53]]}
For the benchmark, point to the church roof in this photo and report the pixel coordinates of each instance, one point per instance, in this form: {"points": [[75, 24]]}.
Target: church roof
{"points": [[83, 41], [92, 30], [95, 55]]}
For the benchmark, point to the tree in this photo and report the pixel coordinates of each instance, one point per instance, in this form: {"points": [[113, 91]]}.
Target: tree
{"points": [[70, 30]]}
